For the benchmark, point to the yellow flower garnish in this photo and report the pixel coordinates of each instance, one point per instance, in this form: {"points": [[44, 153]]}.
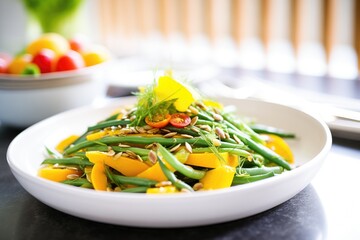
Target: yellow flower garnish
{"points": [[168, 88]]}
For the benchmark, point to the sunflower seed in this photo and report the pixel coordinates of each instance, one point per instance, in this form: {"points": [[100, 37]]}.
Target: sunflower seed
{"points": [[216, 142], [72, 176], [58, 166], [220, 132], [237, 140], [184, 190], [132, 118], [217, 117], [186, 136], [194, 120], [195, 129], [140, 129], [123, 145], [175, 148], [152, 156], [152, 131], [201, 105], [111, 152], [118, 155], [170, 134], [72, 168], [163, 184], [188, 147], [198, 186], [193, 110]]}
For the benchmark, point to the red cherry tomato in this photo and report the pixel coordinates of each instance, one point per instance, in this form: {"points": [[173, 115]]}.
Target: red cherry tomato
{"points": [[45, 60], [5, 60], [158, 121], [79, 43], [180, 120], [69, 61]]}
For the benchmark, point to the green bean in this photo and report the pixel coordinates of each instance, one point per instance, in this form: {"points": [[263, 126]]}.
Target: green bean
{"points": [[109, 123], [136, 150], [261, 149], [242, 127], [271, 130], [68, 161], [238, 152], [203, 115], [78, 182], [261, 170], [180, 167], [197, 141], [247, 179], [184, 130], [135, 190], [172, 178], [120, 180]]}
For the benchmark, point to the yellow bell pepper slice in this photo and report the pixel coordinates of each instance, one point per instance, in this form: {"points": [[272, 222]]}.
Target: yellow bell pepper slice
{"points": [[168, 88], [278, 145], [217, 178], [127, 166], [98, 177], [57, 174], [162, 190], [66, 142], [210, 160]]}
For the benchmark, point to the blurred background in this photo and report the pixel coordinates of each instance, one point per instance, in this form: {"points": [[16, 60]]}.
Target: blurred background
{"points": [[280, 50], [310, 37]]}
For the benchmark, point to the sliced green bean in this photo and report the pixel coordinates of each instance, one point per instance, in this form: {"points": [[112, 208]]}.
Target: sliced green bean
{"points": [[78, 182], [136, 150], [242, 127], [271, 130], [261, 149], [135, 190], [180, 167], [197, 141], [238, 152], [172, 178], [120, 180], [261, 170], [238, 179], [68, 161], [109, 123]]}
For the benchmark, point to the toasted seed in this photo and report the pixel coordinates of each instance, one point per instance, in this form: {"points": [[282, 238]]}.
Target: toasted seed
{"points": [[170, 134], [147, 127], [139, 158], [237, 140], [72, 168], [132, 118], [205, 127], [165, 130], [111, 152], [186, 136], [195, 129], [152, 131], [149, 146], [140, 129], [188, 147], [131, 154], [227, 135], [72, 176], [163, 184], [198, 186], [109, 189], [123, 145], [58, 166], [216, 142], [193, 110], [152, 156], [201, 105], [125, 131], [117, 189], [194, 120], [184, 190], [220, 132], [175, 148], [118, 155], [217, 117]]}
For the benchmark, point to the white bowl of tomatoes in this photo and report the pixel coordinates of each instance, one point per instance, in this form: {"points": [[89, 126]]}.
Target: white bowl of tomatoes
{"points": [[52, 75]]}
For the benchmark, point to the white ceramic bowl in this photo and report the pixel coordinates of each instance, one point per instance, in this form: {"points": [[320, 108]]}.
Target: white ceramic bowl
{"points": [[25, 100], [310, 148]]}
